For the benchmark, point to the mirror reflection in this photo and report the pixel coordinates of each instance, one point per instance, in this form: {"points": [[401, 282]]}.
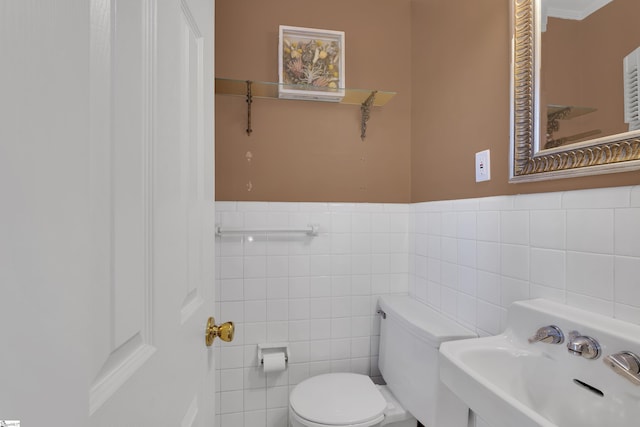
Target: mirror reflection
{"points": [[591, 86], [590, 55]]}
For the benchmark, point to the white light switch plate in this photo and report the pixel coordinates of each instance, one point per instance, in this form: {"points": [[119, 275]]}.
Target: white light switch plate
{"points": [[483, 166]]}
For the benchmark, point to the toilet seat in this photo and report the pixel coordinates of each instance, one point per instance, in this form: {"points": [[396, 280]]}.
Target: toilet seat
{"points": [[340, 399], [307, 423]]}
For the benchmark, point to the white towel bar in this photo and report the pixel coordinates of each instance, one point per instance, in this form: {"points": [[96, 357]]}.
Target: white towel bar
{"points": [[311, 230]]}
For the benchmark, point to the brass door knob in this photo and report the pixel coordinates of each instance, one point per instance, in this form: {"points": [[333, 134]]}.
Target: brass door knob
{"points": [[224, 331]]}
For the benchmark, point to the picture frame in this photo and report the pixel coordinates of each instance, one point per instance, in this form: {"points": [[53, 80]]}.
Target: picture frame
{"points": [[311, 64]]}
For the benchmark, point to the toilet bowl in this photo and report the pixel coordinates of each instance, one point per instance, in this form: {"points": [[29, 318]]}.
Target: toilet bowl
{"points": [[410, 335], [354, 399]]}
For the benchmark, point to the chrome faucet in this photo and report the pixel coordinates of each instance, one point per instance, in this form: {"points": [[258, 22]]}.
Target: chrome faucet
{"points": [[550, 334], [625, 364], [584, 346]]}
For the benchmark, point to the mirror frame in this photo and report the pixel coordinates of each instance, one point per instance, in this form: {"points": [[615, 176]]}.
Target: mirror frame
{"points": [[615, 153]]}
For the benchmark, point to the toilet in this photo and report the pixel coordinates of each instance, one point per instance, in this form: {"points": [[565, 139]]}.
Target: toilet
{"points": [[410, 335]]}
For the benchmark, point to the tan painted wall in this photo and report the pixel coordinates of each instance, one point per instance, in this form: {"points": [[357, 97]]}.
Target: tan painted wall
{"points": [[461, 96], [449, 61], [470, 112], [311, 151]]}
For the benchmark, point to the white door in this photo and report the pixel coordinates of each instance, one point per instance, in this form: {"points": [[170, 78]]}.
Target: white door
{"points": [[106, 230]]}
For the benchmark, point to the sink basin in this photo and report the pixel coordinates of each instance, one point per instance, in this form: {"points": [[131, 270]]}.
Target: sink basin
{"points": [[509, 382]]}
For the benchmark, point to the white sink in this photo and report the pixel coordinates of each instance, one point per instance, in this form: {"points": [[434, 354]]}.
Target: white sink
{"points": [[510, 382]]}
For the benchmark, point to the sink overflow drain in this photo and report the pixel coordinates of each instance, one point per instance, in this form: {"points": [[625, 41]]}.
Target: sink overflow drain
{"points": [[588, 387]]}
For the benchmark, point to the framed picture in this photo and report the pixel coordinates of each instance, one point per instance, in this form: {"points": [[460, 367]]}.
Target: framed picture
{"points": [[311, 64]]}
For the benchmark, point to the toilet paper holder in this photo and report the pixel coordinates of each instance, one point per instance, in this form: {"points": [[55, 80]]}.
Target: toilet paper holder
{"points": [[273, 348]]}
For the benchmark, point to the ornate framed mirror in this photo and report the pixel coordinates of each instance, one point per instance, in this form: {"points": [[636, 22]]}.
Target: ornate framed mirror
{"points": [[538, 151]]}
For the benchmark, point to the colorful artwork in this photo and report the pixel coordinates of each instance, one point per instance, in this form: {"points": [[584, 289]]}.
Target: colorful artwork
{"points": [[312, 62], [311, 59]]}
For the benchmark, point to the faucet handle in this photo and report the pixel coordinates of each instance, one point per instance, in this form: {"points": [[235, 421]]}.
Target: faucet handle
{"points": [[625, 364], [550, 334], [584, 346]]}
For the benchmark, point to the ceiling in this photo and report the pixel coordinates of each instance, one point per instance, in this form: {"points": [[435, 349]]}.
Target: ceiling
{"points": [[571, 9]]}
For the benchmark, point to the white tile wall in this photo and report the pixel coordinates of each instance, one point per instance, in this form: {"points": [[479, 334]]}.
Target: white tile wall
{"points": [[316, 293], [581, 248], [469, 259]]}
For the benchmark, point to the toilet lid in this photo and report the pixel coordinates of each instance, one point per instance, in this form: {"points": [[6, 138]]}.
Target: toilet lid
{"points": [[336, 399]]}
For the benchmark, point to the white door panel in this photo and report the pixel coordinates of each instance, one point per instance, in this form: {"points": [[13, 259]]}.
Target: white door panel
{"points": [[122, 182], [160, 174], [107, 165]]}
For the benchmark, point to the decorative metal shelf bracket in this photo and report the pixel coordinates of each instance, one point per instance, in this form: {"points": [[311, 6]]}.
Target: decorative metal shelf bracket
{"points": [[249, 102], [365, 109]]}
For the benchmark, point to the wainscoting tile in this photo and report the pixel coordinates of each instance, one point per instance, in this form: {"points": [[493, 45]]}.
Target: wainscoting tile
{"points": [[469, 259], [617, 197]]}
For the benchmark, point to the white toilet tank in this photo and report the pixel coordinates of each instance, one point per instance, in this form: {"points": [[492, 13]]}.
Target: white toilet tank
{"points": [[410, 336]]}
